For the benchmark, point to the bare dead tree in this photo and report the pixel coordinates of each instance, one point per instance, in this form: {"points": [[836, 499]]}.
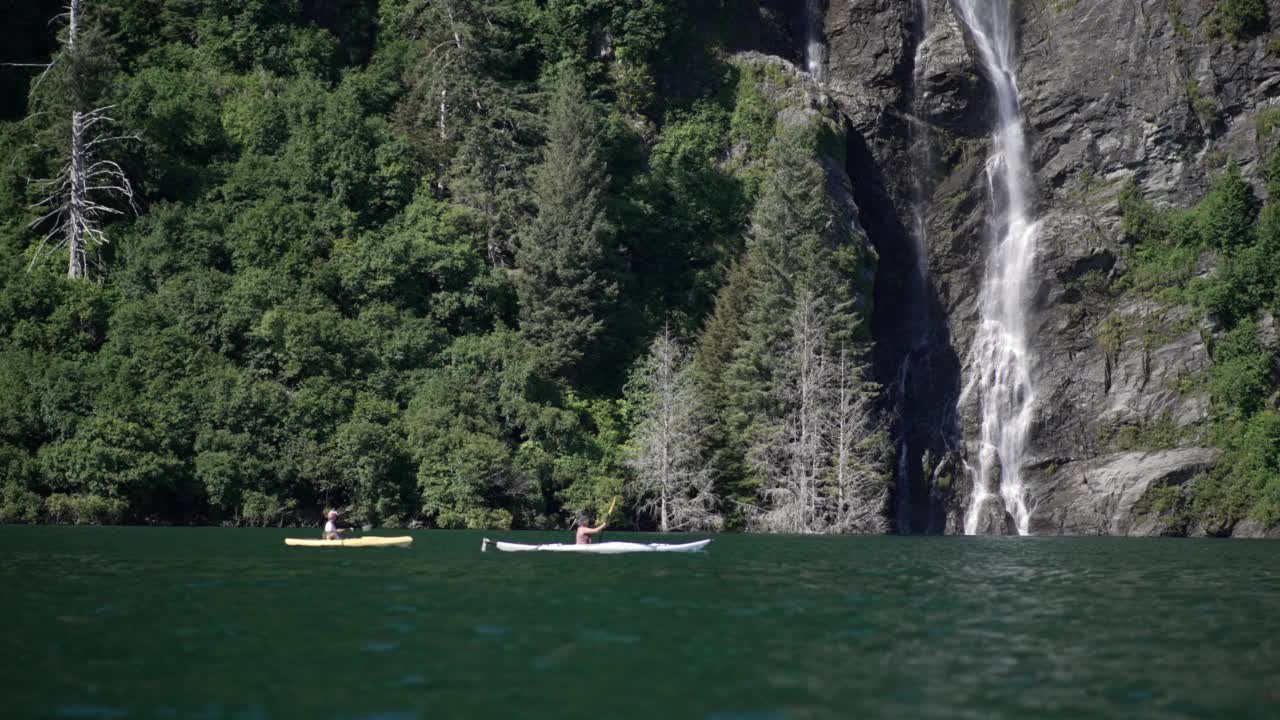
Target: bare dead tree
{"points": [[673, 480], [860, 488], [796, 455], [73, 203], [440, 75], [823, 461]]}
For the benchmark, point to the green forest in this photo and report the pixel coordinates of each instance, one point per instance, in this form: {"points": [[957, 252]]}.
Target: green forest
{"points": [[503, 263], [463, 263]]}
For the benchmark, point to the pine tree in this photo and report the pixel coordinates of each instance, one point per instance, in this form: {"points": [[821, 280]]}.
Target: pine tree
{"points": [[768, 354], [795, 237], [467, 49], [488, 178], [468, 110], [673, 481], [712, 358], [562, 285]]}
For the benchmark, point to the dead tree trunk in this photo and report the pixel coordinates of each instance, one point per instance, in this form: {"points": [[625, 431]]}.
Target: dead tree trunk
{"points": [[73, 10], [673, 481], [860, 487], [70, 200], [77, 264], [796, 455]]}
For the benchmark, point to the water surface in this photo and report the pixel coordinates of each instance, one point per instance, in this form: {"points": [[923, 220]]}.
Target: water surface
{"points": [[224, 623]]}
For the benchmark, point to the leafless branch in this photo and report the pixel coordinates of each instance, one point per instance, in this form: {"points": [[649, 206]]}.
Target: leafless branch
{"points": [[673, 482], [71, 201], [820, 459]]}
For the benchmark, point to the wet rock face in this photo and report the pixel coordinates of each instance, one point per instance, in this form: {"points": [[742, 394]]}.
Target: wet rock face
{"points": [[1253, 529], [1112, 92], [949, 93], [1102, 495], [1140, 88], [868, 57], [1116, 92]]}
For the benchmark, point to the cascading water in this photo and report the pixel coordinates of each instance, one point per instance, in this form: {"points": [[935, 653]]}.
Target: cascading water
{"points": [[815, 49], [999, 363]]}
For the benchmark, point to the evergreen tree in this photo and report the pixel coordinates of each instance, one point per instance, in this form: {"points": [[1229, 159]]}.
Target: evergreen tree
{"points": [[797, 243], [469, 52], [673, 481], [1226, 217], [488, 178], [711, 361], [563, 289]]}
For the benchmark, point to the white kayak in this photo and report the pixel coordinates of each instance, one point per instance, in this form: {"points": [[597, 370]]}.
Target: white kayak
{"points": [[402, 541], [604, 548]]}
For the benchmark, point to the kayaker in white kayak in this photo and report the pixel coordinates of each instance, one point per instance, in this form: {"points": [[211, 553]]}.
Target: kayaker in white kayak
{"points": [[331, 529], [586, 532]]}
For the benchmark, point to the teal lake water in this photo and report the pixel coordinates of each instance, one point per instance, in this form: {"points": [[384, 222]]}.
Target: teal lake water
{"points": [[224, 623]]}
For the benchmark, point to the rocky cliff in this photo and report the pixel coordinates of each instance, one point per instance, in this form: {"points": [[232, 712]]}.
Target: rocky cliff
{"points": [[1149, 92]]}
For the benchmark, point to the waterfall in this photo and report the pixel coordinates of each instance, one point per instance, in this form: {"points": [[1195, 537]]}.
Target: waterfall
{"points": [[999, 364], [815, 49]]}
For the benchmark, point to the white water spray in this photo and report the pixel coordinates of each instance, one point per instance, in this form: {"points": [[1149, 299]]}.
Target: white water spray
{"points": [[1000, 360], [815, 49]]}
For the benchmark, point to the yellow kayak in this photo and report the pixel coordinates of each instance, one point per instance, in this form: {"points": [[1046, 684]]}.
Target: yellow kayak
{"points": [[402, 541]]}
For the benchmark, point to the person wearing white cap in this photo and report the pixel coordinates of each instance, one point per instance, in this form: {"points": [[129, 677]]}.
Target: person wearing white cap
{"points": [[331, 529]]}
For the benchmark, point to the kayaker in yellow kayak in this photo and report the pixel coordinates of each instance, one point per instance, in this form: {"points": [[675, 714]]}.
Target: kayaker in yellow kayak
{"points": [[331, 529]]}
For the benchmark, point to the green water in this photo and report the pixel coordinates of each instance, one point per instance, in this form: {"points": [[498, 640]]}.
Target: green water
{"points": [[214, 623]]}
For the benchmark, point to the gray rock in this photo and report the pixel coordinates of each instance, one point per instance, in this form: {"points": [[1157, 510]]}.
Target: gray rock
{"points": [[1098, 496], [993, 519], [1112, 92], [949, 92], [1250, 528], [868, 58]]}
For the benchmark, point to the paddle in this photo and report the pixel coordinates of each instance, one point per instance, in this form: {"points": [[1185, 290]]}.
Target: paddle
{"points": [[604, 519]]}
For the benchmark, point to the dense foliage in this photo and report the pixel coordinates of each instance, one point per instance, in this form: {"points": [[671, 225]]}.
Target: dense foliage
{"points": [[1241, 298], [1238, 19], [395, 257]]}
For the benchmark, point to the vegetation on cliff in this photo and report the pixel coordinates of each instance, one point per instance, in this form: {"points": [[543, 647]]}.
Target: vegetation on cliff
{"points": [[399, 257], [1241, 296]]}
